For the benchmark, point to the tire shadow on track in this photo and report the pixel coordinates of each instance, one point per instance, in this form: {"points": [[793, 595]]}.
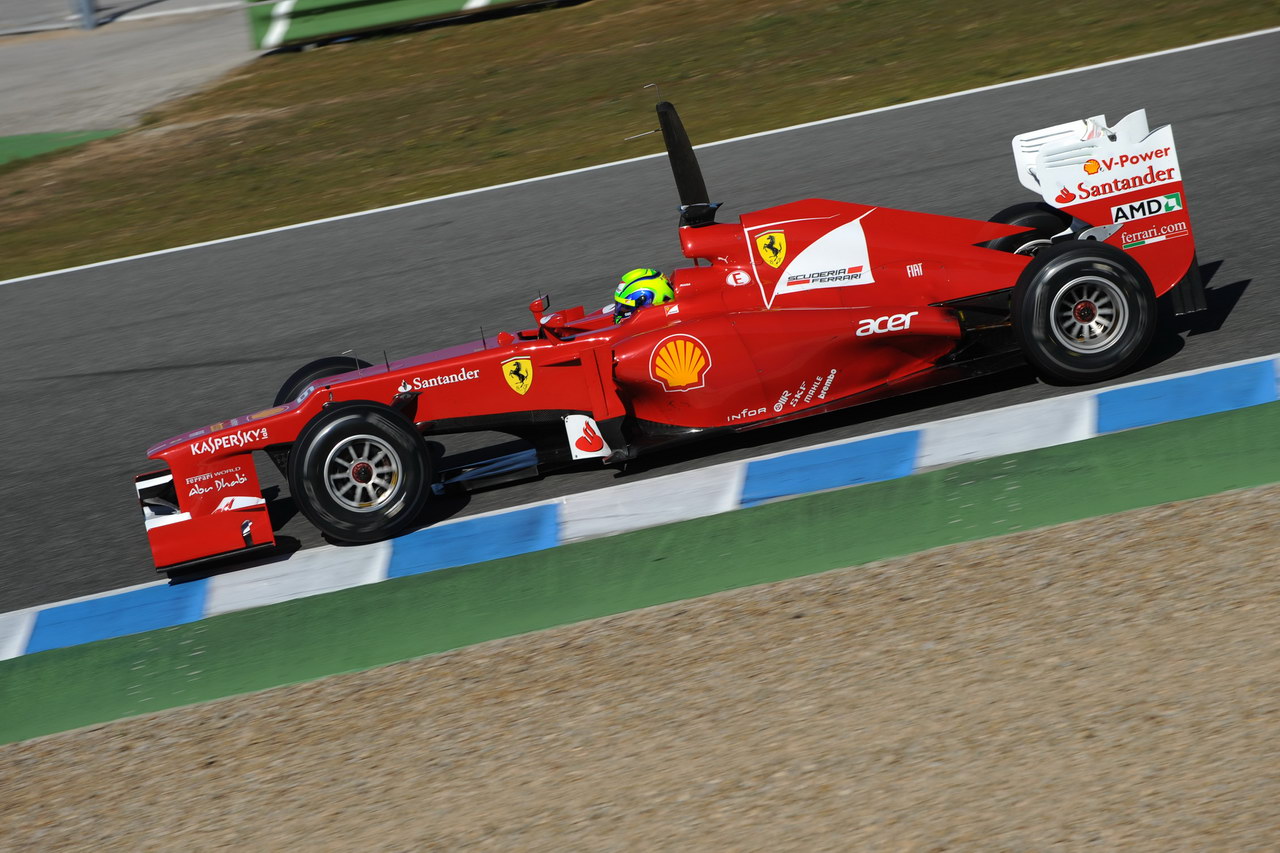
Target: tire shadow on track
{"points": [[1221, 302]]}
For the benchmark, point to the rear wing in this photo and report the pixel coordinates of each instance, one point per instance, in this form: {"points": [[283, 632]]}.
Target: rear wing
{"points": [[1074, 163], [1123, 182]]}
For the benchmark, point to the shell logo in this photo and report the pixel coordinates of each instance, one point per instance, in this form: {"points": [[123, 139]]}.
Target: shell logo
{"points": [[680, 363], [1092, 167]]}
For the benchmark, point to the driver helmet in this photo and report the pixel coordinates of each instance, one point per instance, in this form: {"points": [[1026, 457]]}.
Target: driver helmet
{"points": [[639, 288]]}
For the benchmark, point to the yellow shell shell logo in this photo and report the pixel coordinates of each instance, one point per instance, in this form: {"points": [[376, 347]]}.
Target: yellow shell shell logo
{"points": [[680, 363]]}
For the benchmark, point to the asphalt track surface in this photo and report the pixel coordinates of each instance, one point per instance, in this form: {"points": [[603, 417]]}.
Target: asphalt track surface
{"points": [[103, 362]]}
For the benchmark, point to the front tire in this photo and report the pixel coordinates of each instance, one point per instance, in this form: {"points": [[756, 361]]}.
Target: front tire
{"points": [[360, 472], [309, 373], [1083, 312]]}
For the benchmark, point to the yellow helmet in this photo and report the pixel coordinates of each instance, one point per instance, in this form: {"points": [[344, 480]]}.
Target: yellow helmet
{"points": [[639, 288]]}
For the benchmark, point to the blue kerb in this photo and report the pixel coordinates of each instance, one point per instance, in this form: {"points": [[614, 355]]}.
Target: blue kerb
{"points": [[116, 615], [476, 540], [871, 460], [1184, 397]]}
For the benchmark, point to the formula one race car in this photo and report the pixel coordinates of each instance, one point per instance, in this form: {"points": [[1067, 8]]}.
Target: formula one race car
{"points": [[794, 310]]}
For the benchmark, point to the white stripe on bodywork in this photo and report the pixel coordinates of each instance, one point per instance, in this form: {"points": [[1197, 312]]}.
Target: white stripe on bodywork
{"points": [[843, 247], [235, 502], [153, 521], [155, 481]]}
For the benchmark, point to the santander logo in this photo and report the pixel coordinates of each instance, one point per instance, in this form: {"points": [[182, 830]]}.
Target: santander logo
{"points": [[1065, 197], [590, 440], [585, 440]]}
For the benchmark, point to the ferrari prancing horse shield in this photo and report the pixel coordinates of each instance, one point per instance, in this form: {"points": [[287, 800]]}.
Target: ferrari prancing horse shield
{"points": [[519, 374], [772, 246]]}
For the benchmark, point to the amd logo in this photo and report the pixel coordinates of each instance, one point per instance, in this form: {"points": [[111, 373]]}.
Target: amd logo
{"points": [[1147, 207]]}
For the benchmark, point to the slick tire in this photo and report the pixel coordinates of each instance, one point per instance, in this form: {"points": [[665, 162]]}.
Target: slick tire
{"points": [[321, 368], [1083, 311], [1043, 219], [360, 472]]}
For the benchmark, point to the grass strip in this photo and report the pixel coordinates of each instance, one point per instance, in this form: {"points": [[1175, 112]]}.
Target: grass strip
{"points": [[299, 136], [34, 144], [399, 619]]}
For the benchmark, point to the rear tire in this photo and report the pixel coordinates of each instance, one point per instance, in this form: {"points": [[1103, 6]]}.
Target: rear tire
{"points": [[1045, 222], [321, 368], [360, 472], [1083, 311]]}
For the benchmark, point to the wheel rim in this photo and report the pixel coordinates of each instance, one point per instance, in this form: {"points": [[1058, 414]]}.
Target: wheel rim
{"points": [[1089, 314], [361, 473]]}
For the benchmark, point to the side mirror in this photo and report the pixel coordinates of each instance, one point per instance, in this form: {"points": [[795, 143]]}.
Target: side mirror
{"points": [[538, 306]]}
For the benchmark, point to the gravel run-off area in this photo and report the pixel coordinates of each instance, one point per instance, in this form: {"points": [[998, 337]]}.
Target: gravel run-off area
{"points": [[1107, 684]]}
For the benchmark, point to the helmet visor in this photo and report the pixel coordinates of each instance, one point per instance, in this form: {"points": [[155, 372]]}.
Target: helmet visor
{"points": [[625, 306]]}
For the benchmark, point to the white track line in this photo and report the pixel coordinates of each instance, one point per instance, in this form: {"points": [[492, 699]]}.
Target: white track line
{"points": [[169, 13], [762, 133]]}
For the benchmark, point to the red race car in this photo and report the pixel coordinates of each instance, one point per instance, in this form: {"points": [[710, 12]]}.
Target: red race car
{"points": [[790, 311]]}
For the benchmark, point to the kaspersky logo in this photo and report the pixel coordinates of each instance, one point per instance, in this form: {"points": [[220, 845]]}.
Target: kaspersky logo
{"points": [[233, 440], [1154, 206]]}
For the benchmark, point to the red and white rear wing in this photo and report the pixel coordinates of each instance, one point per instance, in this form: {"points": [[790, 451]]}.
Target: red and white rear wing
{"points": [[1124, 180]]}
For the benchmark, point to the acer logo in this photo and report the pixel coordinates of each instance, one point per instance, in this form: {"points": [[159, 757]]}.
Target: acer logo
{"points": [[887, 323]]}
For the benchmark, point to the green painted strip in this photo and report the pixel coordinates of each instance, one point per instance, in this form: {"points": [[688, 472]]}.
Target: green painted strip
{"points": [[315, 20], [31, 144], [381, 623]]}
